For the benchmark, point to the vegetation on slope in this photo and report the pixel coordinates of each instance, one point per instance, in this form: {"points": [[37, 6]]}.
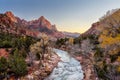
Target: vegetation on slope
{"points": [[17, 47], [107, 52]]}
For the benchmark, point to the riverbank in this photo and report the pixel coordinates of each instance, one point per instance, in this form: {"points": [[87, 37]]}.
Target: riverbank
{"points": [[87, 67], [86, 64], [42, 72]]}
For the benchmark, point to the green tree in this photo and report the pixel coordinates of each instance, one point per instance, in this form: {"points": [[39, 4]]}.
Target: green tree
{"points": [[3, 66], [17, 64]]}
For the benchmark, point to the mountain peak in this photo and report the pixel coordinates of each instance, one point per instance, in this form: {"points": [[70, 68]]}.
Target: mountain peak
{"points": [[8, 13], [44, 22], [42, 17], [10, 23], [11, 16]]}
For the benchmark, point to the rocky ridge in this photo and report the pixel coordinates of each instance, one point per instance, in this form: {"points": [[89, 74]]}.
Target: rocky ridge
{"points": [[13, 24]]}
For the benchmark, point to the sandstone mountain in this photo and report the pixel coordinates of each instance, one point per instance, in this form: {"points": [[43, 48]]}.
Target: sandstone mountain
{"points": [[12, 24]]}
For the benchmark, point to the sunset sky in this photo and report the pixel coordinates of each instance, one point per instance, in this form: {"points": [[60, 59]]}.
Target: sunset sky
{"points": [[68, 15]]}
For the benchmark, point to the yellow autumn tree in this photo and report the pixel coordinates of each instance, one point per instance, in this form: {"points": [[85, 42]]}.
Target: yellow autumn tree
{"points": [[71, 41], [118, 59], [108, 40]]}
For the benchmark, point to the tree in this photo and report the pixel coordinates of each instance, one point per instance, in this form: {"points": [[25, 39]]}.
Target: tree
{"points": [[3, 66], [44, 42], [17, 64], [71, 41], [40, 48]]}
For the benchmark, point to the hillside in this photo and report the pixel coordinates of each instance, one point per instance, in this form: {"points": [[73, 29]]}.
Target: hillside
{"points": [[102, 44], [9, 24], [110, 20]]}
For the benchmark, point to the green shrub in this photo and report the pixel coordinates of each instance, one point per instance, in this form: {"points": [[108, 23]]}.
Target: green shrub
{"points": [[3, 67], [17, 64], [3, 64]]}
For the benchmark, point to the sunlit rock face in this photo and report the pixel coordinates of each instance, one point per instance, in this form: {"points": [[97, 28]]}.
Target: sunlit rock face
{"points": [[20, 26], [68, 69], [43, 25], [11, 16]]}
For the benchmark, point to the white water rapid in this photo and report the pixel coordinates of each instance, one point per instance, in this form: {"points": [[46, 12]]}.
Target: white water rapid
{"points": [[67, 69]]}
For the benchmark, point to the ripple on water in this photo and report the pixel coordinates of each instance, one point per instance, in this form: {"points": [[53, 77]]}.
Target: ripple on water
{"points": [[68, 69]]}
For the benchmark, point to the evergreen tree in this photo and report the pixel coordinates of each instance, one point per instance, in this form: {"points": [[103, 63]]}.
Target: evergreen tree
{"points": [[17, 64]]}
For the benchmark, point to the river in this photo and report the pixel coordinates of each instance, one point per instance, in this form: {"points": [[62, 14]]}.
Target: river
{"points": [[67, 69]]}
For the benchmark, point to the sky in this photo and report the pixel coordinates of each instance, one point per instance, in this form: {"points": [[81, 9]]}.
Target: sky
{"points": [[67, 15]]}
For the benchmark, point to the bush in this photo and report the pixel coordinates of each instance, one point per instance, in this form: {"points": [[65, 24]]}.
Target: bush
{"points": [[3, 67], [118, 69], [3, 64], [17, 64]]}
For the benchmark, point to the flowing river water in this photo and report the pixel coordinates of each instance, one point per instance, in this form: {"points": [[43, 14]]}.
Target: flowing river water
{"points": [[67, 69]]}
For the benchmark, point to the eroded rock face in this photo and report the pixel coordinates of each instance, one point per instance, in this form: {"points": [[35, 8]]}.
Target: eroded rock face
{"points": [[43, 25], [3, 53], [40, 23], [11, 16], [12, 24]]}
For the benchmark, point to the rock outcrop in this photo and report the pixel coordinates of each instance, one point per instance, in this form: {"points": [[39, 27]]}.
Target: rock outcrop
{"points": [[11, 16]]}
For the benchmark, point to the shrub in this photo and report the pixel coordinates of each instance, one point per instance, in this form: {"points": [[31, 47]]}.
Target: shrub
{"points": [[118, 69], [3, 64], [118, 59], [3, 67], [17, 64]]}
